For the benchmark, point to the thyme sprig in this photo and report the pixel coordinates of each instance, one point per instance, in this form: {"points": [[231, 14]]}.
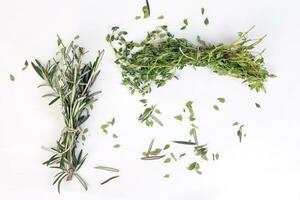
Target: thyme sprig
{"points": [[156, 59], [70, 81]]}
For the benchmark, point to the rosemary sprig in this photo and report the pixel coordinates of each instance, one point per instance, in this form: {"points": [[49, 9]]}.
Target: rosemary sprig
{"points": [[70, 81], [155, 59]]}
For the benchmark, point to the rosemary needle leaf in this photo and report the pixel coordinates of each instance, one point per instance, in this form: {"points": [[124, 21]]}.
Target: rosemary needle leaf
{"points": [[12, 78], [152, 157], [109, 179], [235, 123], [81, 180], [107, 168], [185, 142]]}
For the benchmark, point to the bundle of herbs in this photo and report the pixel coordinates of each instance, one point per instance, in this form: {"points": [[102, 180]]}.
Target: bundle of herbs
{"points": [[70, 81], [156, 59]]}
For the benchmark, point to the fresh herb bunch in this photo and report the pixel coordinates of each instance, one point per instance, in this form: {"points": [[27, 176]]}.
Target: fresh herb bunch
{"points": [[70, 81], [156, 58]]}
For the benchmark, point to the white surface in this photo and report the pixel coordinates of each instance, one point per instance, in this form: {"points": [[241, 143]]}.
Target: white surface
{"points": [[265, 166]]}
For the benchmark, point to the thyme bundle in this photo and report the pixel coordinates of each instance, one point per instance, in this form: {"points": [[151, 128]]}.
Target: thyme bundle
{"points": [[70, 81], [156, 59]]}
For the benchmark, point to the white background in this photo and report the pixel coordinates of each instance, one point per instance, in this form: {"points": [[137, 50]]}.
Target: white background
{"points": [[265, 166]]}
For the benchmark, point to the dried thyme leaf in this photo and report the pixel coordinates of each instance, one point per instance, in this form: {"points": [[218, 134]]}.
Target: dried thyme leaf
{"points": [[160, 17], [25, 65], [114, 135], [206, 21], [182, 155], [167, 146], [185, 24], [235, 123], [178, 117], [167, 160], [216, 107], [116, 146], [221, 100], [12, 78], [202, 10], [146, 10], [167, 176], [137, 17], [240, 132], [257, 105], [193, 166]]}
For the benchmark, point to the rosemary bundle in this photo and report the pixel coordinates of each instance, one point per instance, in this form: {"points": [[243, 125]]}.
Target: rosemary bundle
{"points": [[70, 81], [155, 59]]}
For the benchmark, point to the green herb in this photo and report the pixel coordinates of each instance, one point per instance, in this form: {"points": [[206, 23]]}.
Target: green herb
{"points": [[167, 146], [111, 169], [109, 179], [137, 17], [70, 81], [148, 116], [178, 117], [189, 106], [160, 17], [201, 151], [25, 65], [146, 10], [257, 105], [235, 123], [152, 154], [185, 142], [173, 156], [114, 135], [182, 155], [206, 21], [167, 176], [185, 24], [12, 78], [156, 59], [194, 167], [106, 125], [240, 132], [216, 107], [202, 11], [116, 146], [167, 160], [222, 100]]}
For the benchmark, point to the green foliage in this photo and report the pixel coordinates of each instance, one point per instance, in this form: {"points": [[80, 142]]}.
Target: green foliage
{"points": [[70, 81], [156, 59]]}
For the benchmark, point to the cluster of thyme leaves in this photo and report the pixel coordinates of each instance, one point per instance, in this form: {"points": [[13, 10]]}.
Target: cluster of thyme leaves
{"points": [[200, 150], [149, 115], [156, 59], [70, 81]]}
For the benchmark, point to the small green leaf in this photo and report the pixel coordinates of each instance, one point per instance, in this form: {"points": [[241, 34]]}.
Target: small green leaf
{"points": [[12, 78], [167, 160], [182, 155], [194, 166], [167, 146], [114, 135], [257, 105], [137, 17], [167, 176], [157, 111], [216, 107], [202, 11], [116, 146], [235, 124], [160, 17], [222, 100], [178, 117], [76, 37], [206, 21]]}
